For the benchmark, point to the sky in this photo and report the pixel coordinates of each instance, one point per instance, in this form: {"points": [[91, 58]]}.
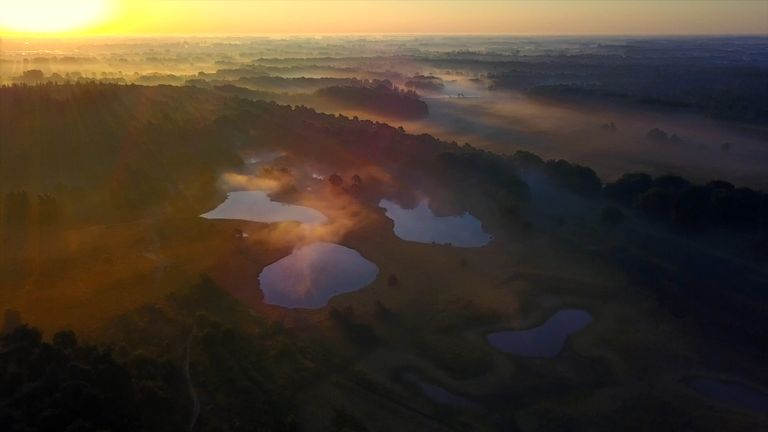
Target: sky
{"points": [[242, 17]]}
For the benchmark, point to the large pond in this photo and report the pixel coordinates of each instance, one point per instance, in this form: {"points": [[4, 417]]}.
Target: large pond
{"points": [[421, 225], [256, 206], [731, 393], [313, 274], [546, 340]]}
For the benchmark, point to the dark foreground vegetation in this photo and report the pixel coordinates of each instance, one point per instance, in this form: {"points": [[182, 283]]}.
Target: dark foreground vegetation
{"points": [[62, 385], [194, 373]]}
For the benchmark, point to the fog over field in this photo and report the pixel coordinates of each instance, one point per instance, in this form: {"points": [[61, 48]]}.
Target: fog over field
{"points": [[489, 91]]}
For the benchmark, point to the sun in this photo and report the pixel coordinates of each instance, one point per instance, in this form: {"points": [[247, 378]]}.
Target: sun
{"points": [[52, 16]]}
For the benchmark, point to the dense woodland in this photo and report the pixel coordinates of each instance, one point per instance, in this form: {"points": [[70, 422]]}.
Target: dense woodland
{"points": [[383, 99], [728, 90]]}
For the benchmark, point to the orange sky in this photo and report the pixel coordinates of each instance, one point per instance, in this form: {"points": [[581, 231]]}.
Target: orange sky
{"points": [[156, 17]]}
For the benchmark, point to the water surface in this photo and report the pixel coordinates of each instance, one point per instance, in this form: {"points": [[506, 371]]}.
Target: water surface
{"points": [[256, 206], [438, 394], [546, 340], [421, 225], [731, 393], [313, 274]]}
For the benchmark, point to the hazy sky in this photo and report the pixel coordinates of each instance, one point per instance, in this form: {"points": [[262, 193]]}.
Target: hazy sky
{"points": [[365, 16]]}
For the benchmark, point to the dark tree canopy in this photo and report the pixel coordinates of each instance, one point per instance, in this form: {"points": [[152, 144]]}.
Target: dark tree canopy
{"points": [[335, 180], [626, 189], [612, 215], [576, 178], [677, 201], [65, 386]]}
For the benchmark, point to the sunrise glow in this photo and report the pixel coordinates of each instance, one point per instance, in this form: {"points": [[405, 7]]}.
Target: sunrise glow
{"points": [[248, 17], [53, 16], [383, 215]]}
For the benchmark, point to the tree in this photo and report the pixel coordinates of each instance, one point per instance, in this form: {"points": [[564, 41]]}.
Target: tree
{"points": [[343, 421], [720, 184], [655, 202], [612, 215], [336, 180], [508, 204], [32, 76], [65, 340], [608, 127], [671, 183], [579, 179], [525, 159], [64, 386], [382, 312], [657, 135], [692, 206], [627, 188], [360, 334], [11, 320], [48, 210]]}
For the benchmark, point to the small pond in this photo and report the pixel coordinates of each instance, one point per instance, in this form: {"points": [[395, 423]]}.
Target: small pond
{"points": [[731, 393], [546, 340], [438, 394], [421, 225], [313, 274], [256, 206]]}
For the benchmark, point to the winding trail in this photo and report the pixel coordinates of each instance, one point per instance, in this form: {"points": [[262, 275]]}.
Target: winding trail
{"points": [[192, 393]]}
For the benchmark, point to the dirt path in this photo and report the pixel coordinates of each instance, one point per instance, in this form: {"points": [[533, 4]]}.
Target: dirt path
{"points": [[192, 393]]}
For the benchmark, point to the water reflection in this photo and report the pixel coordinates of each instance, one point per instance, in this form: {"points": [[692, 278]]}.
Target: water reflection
{"points": [[546, 340], [313, 274], [731, 393], [421, 225], [256, 206]]}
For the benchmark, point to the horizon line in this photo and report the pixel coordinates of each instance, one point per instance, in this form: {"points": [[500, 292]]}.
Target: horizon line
{"points": [[352, 34]]}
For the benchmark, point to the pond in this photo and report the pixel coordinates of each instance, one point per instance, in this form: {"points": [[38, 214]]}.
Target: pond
{"points": [[546, 340], [256, 206], [731, 393], [313, 274], [421, 225], [438, 394]]}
